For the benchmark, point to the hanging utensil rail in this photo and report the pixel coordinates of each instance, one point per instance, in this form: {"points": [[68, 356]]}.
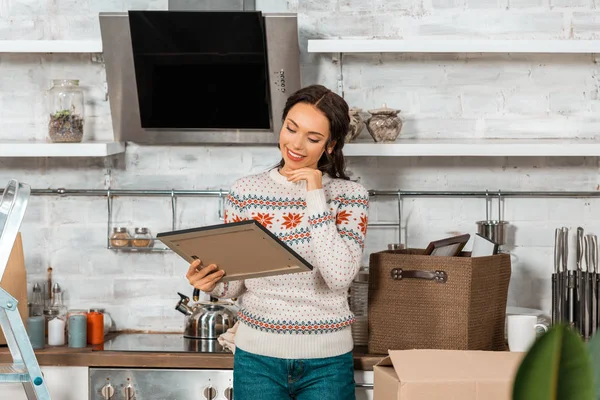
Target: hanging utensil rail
{"points": [[221, 194]]}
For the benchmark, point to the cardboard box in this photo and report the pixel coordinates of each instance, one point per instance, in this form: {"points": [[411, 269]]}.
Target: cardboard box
{"points": [[446, 374], [14, 281]]}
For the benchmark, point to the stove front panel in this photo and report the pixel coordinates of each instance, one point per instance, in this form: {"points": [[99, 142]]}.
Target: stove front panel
{"points": [[160, 384]]}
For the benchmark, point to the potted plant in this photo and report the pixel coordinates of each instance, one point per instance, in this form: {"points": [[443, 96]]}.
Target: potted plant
{"points": [[560, 366]]}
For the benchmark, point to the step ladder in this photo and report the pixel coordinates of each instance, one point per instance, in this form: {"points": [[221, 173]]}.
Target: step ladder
{"points": [[24, 368]]}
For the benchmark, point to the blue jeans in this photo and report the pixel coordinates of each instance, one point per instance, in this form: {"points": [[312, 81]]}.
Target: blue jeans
{"points": [[266, 378]]}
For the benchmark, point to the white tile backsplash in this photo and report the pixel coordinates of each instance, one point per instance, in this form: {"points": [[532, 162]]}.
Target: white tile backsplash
{"points": [[440, 95]]}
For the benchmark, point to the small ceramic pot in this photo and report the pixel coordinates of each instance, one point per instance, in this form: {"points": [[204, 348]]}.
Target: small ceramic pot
{"points": [[384, 125], [356, 124]]}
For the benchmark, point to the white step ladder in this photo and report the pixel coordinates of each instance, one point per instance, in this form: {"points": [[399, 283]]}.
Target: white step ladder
{"points": [[25, 368]]}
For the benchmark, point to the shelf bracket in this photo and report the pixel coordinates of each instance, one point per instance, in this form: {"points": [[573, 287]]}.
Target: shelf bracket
{"points": [[109, 218], [400, 219], [339, 60], [221, 206], [173, 199]]}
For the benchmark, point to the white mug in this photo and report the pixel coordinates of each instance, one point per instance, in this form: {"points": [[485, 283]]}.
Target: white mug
{"points": [[522, 332]]}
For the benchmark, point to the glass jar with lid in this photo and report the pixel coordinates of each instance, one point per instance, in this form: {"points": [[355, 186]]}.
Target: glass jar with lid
{"points": [[50, 314], [120, 237], [65, 102], [107, 319], [142, 237]]}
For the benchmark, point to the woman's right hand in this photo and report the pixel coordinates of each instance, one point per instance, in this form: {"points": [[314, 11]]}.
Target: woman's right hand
{"points": [[205, 278]]}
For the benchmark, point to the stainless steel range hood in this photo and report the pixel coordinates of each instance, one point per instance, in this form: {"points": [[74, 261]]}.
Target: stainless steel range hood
{"points": [[212, 5], [220, 101]]}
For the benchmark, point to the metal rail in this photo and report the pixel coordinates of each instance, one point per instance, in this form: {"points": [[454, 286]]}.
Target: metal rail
{"points": [[374, 192], [221, 194]]}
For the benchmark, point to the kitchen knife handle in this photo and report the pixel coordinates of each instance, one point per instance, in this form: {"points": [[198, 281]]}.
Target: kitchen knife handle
{"points": [[565, 249], [554, 299], [557, 249]]}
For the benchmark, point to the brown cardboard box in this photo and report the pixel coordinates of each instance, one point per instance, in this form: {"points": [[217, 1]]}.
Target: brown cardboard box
{"points": [[14, 280], [446, 374]]}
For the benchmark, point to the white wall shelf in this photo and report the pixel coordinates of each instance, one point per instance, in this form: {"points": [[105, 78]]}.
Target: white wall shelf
{"points": [[477, 148], [451, 46], [50, 46], [44, 149]]}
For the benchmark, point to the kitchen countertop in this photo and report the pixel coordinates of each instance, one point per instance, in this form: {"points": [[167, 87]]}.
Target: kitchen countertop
{"points": [[90, 357]]}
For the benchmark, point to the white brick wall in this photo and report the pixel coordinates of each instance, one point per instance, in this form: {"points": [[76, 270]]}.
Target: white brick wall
{"points": [[441, 95]]}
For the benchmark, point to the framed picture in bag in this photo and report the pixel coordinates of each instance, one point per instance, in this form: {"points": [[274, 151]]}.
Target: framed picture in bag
{"points": [[449, 247]]}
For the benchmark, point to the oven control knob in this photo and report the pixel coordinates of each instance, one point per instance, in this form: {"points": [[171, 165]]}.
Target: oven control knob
{"points": [[210, 393], [129, 392], [229, 393], [107, 391]]}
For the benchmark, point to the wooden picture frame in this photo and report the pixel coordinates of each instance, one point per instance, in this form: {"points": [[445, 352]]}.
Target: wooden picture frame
{"points": [[244, 250], [449, 247]]}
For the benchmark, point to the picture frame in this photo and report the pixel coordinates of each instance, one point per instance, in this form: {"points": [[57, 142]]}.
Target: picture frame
{"points": [[244, 250], [448, 247]]}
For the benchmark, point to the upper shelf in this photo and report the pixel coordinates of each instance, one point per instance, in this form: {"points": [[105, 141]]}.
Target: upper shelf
{"points": [[44, 149], [451, 46], [477, 148], [400, 148], [50, 46]]}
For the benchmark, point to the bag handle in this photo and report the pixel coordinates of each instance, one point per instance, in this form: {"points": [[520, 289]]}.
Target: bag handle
{"points": [[437, 276]]}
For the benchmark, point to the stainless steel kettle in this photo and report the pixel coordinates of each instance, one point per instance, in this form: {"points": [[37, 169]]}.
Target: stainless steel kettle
{"points": [[206, 319]]}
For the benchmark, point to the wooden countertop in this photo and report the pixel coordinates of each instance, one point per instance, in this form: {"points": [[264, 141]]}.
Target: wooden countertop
{"points": [[89, 357]]}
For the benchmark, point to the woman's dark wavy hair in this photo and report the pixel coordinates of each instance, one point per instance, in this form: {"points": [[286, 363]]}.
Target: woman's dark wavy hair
{"points": [[335, 110]]}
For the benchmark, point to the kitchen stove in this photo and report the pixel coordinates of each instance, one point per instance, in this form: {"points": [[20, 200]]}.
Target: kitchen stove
{"points": [[160, 383], [162, 343], [175, 384]]}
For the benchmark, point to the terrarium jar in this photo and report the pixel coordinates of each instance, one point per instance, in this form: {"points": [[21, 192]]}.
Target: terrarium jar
{"points": [[66, 111]]}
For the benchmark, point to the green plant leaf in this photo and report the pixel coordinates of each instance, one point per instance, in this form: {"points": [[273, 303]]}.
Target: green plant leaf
{"points": [[557, 367], [594, 348]]}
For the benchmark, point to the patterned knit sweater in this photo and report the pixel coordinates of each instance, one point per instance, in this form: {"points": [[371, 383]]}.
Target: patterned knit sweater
{"points": [[300, 315]]}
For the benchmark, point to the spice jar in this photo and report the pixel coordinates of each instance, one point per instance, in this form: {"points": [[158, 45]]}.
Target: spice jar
{"points": [[66, 111], [142, 238], [120, 237]]}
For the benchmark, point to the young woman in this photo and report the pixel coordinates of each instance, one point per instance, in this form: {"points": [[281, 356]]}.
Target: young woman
{"points": [[294, 339]]}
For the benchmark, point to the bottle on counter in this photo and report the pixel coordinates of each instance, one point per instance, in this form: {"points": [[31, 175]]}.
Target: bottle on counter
{"points": [[57, 300], [37, 301]]}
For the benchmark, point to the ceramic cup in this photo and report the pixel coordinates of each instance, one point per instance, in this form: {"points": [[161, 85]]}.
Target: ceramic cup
{"points": [[522, 332]]}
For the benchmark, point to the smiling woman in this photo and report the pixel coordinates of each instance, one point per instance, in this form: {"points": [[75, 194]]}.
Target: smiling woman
{"points": [[315, 123], [294, 339]]}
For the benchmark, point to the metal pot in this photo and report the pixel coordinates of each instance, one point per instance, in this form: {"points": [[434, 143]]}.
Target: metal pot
{"points": [[206, 320], [493, 229]]}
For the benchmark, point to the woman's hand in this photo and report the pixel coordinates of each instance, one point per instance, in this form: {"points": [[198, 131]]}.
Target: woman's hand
{"points": [[205, 278], [313, 177]]}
